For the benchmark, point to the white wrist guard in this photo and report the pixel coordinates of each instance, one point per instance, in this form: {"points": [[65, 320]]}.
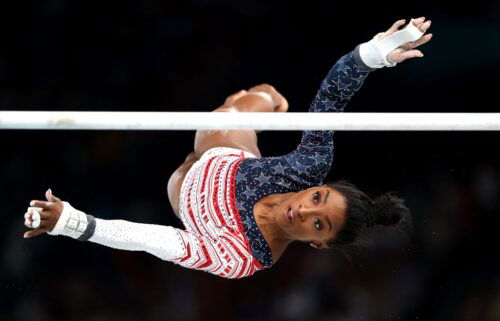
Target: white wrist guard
{"points": [[374, 52], [74, 223]]}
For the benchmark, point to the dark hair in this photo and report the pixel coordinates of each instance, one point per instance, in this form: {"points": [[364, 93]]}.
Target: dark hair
{"points": [[363, 212]]}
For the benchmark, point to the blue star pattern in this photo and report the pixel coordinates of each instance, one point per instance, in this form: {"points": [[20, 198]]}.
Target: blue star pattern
{"points": [[305, 167]]}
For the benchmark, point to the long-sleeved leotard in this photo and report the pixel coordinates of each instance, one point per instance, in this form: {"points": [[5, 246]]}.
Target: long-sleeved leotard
{"points": [[221, 235], [306, 166]]}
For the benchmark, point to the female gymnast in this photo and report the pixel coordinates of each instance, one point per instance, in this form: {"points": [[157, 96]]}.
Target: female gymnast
{"points": [[240, 210]]}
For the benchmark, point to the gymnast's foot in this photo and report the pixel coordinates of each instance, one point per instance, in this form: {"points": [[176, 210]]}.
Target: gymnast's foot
{"points": [[280, 102]]}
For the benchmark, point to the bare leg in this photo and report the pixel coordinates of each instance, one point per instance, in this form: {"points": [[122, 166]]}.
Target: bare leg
{"points": [[175, 182], [242, 101]]}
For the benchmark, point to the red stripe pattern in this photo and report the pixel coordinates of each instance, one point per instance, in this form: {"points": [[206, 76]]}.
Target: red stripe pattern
{"points": [[214, 239]]}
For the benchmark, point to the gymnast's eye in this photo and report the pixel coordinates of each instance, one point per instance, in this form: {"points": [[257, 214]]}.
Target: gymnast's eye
{"points": [[316, 196], [317, 224]]}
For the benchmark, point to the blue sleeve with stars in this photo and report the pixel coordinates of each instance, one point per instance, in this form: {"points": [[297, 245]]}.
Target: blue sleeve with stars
{"points": [[306, 166], [312, 159], [310, 163]]}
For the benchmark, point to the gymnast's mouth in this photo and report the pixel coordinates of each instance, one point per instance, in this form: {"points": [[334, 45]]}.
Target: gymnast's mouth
{"points": [[289, 215]]}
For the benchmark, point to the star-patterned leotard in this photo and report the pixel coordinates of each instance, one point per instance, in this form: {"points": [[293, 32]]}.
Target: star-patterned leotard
{"points": [[220, 190], [305, 167]]}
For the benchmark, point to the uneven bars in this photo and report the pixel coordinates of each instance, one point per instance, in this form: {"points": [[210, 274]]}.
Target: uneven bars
{"points": [[43, 120]]}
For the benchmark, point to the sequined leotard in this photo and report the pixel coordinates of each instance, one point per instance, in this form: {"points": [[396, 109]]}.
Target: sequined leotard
{"points": [[221, 189]]}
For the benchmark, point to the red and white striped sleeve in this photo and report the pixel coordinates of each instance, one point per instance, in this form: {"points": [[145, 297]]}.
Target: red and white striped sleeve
{"points": [[226, 256]]}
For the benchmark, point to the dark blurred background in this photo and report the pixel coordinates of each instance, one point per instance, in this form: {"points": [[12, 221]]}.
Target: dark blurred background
{"points": [[188, 56]]}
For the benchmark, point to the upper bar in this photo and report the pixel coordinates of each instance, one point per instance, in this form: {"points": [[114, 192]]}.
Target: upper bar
{"points": [[260, 121]]}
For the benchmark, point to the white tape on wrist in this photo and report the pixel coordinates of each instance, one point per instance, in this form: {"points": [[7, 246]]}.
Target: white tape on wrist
{"points": [[72, 222], [374, 52]]}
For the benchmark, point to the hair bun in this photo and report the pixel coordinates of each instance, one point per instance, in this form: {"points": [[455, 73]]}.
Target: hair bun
{"points": [[388, 210]]}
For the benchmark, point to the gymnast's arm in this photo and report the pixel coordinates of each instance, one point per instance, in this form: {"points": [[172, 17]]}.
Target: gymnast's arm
{"points": [[60, 218], [165, 242], [313, 157], [310, 162]]}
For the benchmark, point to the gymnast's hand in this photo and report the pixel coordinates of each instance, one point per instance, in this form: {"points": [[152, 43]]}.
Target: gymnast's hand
{"points": [[42, 216], [408, 50]]}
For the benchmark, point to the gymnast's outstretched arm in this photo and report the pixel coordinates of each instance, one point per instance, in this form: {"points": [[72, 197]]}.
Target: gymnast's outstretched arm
{"points": [[310, 162], [181, 247], [56, 217]]}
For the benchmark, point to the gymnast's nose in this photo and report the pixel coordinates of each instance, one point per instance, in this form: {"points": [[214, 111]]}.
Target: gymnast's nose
{"points": [[301, 213]]}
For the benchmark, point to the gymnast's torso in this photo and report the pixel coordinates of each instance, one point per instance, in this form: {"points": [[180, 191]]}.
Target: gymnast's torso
{"points": [[221, 190]]}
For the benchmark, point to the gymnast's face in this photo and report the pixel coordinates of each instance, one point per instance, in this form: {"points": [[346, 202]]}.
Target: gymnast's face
{"points": [[314, 215]]}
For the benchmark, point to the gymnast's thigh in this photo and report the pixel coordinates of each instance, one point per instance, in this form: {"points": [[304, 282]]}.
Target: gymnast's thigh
{"points": [[240, 139], [175, 182]]}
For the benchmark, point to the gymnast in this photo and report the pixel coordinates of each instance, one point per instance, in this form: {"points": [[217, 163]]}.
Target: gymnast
{"points": [[240, 210]]}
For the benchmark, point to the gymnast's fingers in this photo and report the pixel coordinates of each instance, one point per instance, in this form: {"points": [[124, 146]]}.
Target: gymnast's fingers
{"points": [[42, 204], [392, 29], [417, 22], [34, 233], [31, 211], [28, 222], [424, 26], [50, 197], [411, 54], [400, 55], [38, 211], [416, 43], [33, 217], [395, 27]]}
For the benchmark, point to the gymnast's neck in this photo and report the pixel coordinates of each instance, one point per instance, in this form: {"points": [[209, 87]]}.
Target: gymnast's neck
{"points": [[265, 216]]}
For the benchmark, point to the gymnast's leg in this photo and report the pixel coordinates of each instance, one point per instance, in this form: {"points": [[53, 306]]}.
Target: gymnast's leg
{"points": [[261, 98], [175, 182]]}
